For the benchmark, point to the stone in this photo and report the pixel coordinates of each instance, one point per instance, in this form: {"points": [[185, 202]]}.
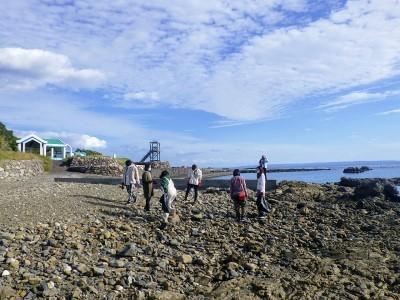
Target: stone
{"points": [[34, 280], [98, 271], [117, 263], [77, 293], [83, 269], [107, 234], [250, 267], [168, 295], [67, 269], [13, 263], [130, 250], [51, 285], [6, 292], [119, 288], [185, 259]]}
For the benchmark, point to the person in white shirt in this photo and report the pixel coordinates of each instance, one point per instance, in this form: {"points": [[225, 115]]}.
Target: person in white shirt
{"points": [[130, 180], [262, 203], [194, 180]]}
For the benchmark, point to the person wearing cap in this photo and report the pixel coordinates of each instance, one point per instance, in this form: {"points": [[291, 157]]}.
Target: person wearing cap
{"points": [[194, 180], [130, 180]]}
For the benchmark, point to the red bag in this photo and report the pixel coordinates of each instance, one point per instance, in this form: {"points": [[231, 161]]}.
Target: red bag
{"points": [[241, 196]]}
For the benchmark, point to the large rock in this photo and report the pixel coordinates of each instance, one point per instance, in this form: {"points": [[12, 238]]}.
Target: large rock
{"points": [[356, 169]]}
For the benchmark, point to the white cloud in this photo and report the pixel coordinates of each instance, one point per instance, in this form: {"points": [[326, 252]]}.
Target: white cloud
{"points": [[355, 98], [30, 68], [389, 112], [87, 142], [143, 96]]}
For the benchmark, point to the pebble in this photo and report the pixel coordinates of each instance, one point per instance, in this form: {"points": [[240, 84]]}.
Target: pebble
{"points": [[67, 269]]}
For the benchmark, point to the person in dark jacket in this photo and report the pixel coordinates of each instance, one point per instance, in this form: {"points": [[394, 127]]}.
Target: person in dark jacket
{"points": [[239, 194], [147, 182]]}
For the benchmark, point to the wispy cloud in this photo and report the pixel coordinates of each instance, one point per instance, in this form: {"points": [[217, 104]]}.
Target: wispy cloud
{"points": [[356, 98], [229, 59], [389, 112]]}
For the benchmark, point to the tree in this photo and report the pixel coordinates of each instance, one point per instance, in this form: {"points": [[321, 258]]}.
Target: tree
{"points": [[7, 139]]}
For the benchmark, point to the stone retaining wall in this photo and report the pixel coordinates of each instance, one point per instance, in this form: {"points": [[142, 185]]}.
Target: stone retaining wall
{"points": [[20, 168], [96, 165]]}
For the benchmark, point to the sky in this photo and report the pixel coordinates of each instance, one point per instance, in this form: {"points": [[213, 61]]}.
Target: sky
{"points": [[216, 82]]}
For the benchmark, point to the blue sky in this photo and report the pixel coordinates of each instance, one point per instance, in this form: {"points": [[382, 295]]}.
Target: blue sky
{"points": [[216, 82]]}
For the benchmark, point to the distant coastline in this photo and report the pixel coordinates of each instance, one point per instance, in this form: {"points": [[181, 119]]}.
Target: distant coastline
{"points": [[281, 170]]}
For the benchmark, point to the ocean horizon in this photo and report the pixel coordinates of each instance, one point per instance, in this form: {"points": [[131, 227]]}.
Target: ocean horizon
{"points": [[380, 169]]}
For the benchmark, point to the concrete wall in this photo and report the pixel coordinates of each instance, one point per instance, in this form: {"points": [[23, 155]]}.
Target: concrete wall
{"points": [[20, 168]]}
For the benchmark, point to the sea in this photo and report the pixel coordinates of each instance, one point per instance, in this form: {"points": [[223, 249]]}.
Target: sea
{"points": [[380, 169]]}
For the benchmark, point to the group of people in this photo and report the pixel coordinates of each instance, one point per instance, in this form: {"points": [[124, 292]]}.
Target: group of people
{"points": [[238, 190]]}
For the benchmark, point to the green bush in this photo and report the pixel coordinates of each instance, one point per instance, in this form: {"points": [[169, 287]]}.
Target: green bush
{"points": [[7, 139]]}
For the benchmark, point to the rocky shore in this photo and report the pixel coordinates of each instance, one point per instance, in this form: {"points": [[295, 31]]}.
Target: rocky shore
{"points": [[78, 241]]}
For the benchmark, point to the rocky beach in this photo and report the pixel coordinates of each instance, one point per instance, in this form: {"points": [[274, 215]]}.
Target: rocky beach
{"points": [[81, 241]]}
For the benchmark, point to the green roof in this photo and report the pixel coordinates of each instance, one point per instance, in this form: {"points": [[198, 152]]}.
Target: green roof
{"points": [[54, 141]]}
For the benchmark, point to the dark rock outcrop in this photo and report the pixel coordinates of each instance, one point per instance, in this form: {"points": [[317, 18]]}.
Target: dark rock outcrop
{"points": [[372, 187], [356, 169]]}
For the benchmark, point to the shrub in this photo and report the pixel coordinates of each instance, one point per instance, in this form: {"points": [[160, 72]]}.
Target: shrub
{"points": [[7, 139]]}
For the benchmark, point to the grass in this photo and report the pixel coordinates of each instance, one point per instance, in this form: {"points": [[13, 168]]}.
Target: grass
{"points": [[13, 155]]}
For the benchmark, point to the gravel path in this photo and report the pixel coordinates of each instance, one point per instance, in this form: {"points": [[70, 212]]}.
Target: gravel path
{"points": [[40, 199]]}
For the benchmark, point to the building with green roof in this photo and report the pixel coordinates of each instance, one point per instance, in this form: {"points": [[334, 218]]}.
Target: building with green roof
{"points": [[54, 148]]}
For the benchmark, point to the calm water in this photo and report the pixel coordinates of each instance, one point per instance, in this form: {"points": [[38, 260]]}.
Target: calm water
{"points": [[381, 169]]}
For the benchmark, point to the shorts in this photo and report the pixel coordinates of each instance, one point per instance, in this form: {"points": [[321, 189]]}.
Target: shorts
{"points": [[238, 203]]}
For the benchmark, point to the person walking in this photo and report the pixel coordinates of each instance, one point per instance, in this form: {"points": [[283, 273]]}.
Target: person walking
{"points": [[147, 182], [130, 180], [262, 204], [239, 194], [263, 163], [169, 195], [194, 180]]}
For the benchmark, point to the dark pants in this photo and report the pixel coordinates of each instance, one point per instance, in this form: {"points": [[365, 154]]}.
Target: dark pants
{"points": [[164, 204], [262, 204], [239, 207], [192, 186], [147, 207]]}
